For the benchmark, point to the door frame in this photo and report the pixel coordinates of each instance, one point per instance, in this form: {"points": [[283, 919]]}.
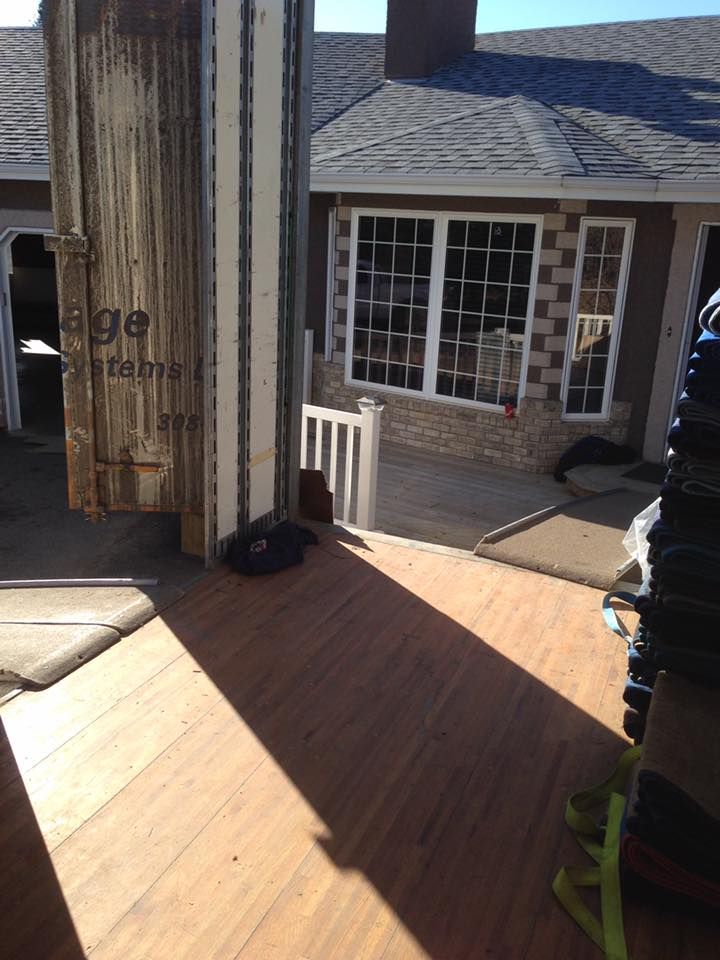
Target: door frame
{"points": [[691, 309], [8, 364]]}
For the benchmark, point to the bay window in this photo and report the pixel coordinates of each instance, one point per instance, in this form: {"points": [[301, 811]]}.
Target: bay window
{"points": [[439, 304], [595, 318]]}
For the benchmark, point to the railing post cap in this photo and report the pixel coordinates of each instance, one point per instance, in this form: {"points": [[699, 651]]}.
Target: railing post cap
{"points": [[371, 403]]}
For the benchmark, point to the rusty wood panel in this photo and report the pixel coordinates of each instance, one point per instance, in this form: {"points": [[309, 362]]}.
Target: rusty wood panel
{"points": [[140, 109], [125, 118], [68, 211]]}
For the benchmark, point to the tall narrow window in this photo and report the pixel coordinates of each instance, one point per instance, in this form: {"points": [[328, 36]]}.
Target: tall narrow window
{"points": [[488, 268], [600, 276], [392, 287]]}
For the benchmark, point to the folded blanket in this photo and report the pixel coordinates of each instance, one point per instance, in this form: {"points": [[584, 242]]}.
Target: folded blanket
{"points": [[709, 318], [634, 724], [695, 438], [685, 505], [640, 669], [676, 804], [707, 352], [637, 695], [681, 660], [694, 518], [674, 552], [694, 468], [647, 862], [702, 386], [679, 630]]}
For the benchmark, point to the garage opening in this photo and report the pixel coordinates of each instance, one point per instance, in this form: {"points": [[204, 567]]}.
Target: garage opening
{"points": [[36, 335], [40, 537]]}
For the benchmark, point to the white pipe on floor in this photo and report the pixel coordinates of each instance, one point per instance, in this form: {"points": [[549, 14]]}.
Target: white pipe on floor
{"points": [[102, 582]]}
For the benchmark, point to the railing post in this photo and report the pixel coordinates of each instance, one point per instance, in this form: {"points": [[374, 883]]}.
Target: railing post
{"points": [[308, 366], [370, 409]]}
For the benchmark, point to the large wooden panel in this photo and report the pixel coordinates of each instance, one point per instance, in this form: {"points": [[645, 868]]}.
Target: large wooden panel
{"points": [[125, 107]]}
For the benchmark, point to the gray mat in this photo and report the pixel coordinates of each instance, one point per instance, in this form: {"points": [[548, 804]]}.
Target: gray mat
{"points": [[40, 654], [580, 541], [47, 633]]}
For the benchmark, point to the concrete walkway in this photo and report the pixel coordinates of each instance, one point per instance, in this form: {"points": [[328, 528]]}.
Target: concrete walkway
{"points": [[45, 633]]}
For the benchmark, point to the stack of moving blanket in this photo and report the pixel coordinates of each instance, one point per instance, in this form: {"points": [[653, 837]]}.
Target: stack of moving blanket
{"points": [[680, 615], [671, 834]]}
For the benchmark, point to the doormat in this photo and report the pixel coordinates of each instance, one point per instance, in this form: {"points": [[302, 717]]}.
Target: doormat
{"points": [[581, 540], [648, 473]]}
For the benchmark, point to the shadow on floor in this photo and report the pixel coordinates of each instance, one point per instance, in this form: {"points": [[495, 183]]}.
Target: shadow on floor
{"points": [[41, 538], [435, 713], [25, 862]]}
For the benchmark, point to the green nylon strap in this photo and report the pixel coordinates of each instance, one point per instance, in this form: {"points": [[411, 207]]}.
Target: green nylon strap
{"points": [[603, 845], [576, 815], [610, 893]]}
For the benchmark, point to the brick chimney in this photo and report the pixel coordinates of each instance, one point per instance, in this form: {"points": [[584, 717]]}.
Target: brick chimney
{"points": [[424, 35]]}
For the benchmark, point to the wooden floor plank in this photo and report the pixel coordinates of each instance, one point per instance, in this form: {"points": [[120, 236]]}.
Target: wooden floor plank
{"points": [[373, 765]]}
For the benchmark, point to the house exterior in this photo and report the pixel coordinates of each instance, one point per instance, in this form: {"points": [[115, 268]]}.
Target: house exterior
{"points": [[509, 233], [517, 229]]}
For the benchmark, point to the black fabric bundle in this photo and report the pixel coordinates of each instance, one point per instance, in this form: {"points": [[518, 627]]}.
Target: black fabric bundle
{"points": [[281, 547], [671, 835], [680, 616]]}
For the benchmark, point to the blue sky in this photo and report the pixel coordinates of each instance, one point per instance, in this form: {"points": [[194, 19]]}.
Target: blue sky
{"points": [[369, 15]]}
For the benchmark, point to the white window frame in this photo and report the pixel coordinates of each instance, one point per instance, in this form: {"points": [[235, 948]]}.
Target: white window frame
{"points": [[626, 256], [437, 269]]}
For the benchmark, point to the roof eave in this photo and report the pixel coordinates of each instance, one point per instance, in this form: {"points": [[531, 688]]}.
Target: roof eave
{"points": [[24, 171], [558, 187]]}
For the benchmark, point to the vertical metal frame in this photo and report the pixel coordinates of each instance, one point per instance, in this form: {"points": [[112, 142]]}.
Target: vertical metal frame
{"points": [[691, 311], [257, 81], [330, 282]]}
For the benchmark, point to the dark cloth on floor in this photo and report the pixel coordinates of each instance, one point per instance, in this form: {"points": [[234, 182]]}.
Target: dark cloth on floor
{"points": [[592, 450], [637, 695]]}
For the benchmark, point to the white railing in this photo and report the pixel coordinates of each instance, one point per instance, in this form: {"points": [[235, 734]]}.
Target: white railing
{"points": [[343, 448]]}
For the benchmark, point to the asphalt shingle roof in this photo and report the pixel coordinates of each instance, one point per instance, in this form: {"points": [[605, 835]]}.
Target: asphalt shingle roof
{"points": [[639, 99], [629, 100], [23, 126]]}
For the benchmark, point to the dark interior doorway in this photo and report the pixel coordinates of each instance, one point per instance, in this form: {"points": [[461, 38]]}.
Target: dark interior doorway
{"points": [[36, 335], [708, 283]]}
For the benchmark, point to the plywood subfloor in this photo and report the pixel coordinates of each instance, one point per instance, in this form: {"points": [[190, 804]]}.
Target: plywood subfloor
{"points": [[365, 757]]}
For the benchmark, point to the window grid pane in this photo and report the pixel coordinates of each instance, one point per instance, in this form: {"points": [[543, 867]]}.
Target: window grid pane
{"points": [[485, 303], [392, 284], [599, 280]]}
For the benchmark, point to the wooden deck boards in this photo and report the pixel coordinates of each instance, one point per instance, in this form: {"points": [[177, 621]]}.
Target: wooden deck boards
{"points": [[366, 757], [449, 500]]}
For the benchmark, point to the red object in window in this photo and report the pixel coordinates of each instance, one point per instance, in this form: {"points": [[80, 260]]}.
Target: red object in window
{"points": [[509, 410]]}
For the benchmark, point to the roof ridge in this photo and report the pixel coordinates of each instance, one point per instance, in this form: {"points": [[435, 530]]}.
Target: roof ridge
{"points": [[415, 128], [538, 122]]}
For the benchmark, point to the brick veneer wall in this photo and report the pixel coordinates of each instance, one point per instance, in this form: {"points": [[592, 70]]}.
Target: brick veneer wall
{"points": [[534, 439]]}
